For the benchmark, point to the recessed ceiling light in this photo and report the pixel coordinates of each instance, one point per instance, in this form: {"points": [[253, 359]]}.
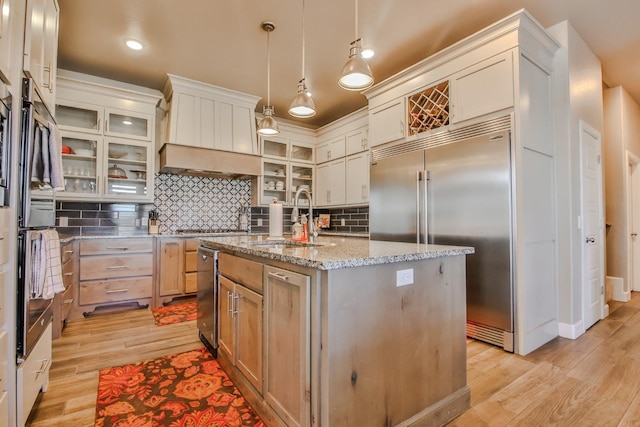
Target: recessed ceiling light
{"points": [[134, 44], [367, 53]]}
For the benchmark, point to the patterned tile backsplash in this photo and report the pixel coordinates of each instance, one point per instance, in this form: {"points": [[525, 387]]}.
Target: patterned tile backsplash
{"points": [[186, 202], [182, 202]]}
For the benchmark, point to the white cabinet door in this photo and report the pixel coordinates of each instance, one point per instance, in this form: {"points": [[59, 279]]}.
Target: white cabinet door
{"points": [[483, 88], [79, 117], [330, 186], [41, 46], [128, 124], [357, 185], [357, 141], [387, 122], [7, 20], [330, 150]]}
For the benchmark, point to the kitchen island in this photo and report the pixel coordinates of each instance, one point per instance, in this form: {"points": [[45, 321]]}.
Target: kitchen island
{"points": [[344, 331]]}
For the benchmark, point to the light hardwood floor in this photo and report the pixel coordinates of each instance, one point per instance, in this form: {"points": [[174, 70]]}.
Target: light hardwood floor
{"points": [[591, 381]]}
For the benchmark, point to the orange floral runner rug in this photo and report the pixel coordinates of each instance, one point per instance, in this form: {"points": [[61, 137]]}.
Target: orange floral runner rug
{"points": [[181, 390], [177, 313]]}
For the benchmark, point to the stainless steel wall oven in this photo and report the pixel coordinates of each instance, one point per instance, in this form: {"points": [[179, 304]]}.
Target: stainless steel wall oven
{"points": [[36, 212]]}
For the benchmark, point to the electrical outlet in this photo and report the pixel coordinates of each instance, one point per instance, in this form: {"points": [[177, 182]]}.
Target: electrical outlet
{"points": [[342, 222], [404, 277], [63, 221], [259, 222]]}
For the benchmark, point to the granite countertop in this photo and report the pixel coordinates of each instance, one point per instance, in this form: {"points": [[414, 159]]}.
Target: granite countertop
{"points": [[332, 252]]}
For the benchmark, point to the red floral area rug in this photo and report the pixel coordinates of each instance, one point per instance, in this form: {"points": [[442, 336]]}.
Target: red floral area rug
{"points": [[171, 314], [182, 390]]}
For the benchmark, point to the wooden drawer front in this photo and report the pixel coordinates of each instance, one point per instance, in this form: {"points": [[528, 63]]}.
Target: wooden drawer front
{"points": [[115, 246], [67, 272], [66, 251], [192, 245], [191, 282], [4, 361], [240, 270], [103, 291], [110, 267], [3, 303], [67, 301], [4, 409], [33, 374], [191, 262]]}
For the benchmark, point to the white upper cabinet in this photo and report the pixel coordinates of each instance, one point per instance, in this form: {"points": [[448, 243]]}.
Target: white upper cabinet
{"points": [[387, 122], [356, 141], [41, 46], [357, 178], [7, 20], [482, 88], [110, 130], [207, 116], [331, 150]]}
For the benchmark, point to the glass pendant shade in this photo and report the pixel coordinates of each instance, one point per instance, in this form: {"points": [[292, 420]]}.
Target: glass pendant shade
{"points": [[302, 105], [356, 73], [268, 125]]}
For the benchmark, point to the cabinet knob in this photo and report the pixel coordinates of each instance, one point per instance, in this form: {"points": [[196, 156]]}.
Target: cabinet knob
{"points": [[590, 240]]}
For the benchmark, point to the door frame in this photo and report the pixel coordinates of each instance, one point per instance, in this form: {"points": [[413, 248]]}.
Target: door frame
{"points": [[583, 127], [632, 187]]}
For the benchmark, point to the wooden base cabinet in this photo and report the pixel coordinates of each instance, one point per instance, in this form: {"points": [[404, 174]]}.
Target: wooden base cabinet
{"points": [[240, 316], [287, 381], [177, 269], [114, 272]]}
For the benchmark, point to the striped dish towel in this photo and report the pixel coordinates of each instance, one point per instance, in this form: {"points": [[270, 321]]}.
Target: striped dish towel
{"points": [[46, 278]]}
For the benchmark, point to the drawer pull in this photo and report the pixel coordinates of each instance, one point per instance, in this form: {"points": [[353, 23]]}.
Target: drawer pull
{"points": [[68, 301], [118, 248], [43, 366], [279, 276], [69, 273], [116, 291], [68, 251], [117, 267]]}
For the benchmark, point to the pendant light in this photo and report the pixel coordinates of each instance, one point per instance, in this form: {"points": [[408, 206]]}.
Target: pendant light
{"points": [[268, 124], [302, 105], [356, 73]]}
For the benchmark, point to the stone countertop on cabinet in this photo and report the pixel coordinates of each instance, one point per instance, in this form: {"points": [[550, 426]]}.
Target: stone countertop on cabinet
{"points": [[332, 252]]}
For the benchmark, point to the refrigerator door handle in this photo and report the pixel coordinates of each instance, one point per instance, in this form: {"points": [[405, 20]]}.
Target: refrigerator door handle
{"points": [[418, 179], [425, 182]]}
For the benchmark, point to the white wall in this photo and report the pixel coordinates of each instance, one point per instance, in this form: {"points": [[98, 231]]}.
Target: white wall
{"points": [[621, 133], [578, 87]]}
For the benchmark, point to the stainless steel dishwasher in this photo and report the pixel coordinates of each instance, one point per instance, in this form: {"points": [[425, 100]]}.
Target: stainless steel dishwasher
{"points": [[208, 298]]}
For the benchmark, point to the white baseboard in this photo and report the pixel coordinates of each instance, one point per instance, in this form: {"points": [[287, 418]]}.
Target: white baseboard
{"points": [[571, 331]]}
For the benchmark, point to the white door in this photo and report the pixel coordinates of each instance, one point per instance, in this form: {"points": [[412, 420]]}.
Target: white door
{"points": [[634, 221], [592, 224]]}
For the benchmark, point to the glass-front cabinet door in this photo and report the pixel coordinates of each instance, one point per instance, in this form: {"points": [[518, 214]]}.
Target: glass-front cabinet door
{"points": [[80, 164], [76, 116], [301, 177], [127, 124], [274, 182], [125, 169], [275, 148], [301, 153]]}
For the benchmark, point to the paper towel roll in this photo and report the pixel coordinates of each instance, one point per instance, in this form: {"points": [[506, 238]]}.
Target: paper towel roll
{"points": [[275, 220]]}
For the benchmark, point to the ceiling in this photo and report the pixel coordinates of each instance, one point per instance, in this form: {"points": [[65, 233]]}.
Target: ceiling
{"points": [[221, 41]]}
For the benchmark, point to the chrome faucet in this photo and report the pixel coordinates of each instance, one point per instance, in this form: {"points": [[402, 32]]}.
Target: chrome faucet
{"points": [[294, 213]]}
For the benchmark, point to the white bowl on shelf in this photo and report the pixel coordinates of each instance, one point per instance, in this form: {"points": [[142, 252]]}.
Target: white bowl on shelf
{"points": [[116, 154], [84, 152]]}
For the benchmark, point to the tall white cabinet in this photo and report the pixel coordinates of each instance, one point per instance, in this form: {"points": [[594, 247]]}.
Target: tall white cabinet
{"points": [[504, 70]]}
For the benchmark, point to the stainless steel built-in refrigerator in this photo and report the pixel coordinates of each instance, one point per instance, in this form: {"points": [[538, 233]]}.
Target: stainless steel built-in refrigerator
{"points": [[464, 187]]}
